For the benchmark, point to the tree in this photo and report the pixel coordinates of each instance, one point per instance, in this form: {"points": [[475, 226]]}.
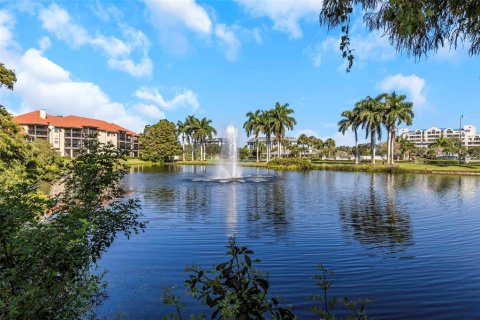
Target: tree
{"points": [[266, 126], [406, 146], [253, 126], [182, 130], [159, 142], [7, 77], [281, 121], [330, 145], [371, 118], [397, 111], [350, 119], [413, 27], [201, 131], [49, 246], [303, 141]]}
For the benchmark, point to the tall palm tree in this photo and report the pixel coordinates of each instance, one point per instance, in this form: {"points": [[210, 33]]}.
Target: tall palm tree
{"points": [[203, 130], [304, 142], [265, 125], [350, 120], [397, 111], [330, 145], [190, 127], [182, 130], [253, 126], [371, 116], [282, 121]]}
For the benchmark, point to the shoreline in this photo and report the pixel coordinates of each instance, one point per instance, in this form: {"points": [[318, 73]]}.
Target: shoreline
{"points": [[351, 167]]}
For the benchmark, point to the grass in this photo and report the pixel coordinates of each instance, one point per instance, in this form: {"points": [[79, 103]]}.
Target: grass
{"points": [[333, 165], [138, 162]]}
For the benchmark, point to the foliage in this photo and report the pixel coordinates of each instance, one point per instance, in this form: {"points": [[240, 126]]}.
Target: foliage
{"points": [[289, 163], [325, 279], [159, 142], [7, 77], [413, 27], [244, 153], [235, 289], [195, 131], [49, 246]]}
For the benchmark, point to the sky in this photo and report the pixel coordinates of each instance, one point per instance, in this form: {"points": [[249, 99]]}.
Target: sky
{"points": [[136, 62]]}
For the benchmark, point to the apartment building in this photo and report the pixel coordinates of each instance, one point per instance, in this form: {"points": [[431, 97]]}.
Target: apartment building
{"points": [[424, 137], [67, 134]]}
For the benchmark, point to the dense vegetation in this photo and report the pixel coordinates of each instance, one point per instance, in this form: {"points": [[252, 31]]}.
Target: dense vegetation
{"points": [[159, 142], [195, 133]]}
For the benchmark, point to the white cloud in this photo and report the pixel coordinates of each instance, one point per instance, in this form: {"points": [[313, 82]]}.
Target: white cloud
{"points": [[184, 12], [7, 23], [229, 41], [57, 21], [412, 85], [44, 43], [186, 98], [150, 110], [285, 14]]}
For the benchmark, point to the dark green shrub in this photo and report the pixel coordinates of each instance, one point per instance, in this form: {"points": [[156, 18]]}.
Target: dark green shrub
{"points": [[289, 163]]}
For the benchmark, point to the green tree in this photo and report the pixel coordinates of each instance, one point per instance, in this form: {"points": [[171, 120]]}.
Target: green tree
{"points": [[304, 142], [266, 126], [253, 126], [182, 131], [49, 246], [159, 142], [201, 131], [397, 111], [7, 77], [330, 146], [350, 120], [406, 147], [281, 122], [413, 27], [371, 115]]}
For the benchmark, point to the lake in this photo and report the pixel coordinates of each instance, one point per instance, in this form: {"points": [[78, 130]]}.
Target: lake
{"points": [[409, 242]]}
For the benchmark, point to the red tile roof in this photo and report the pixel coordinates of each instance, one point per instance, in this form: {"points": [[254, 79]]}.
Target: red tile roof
{"points": [[69, 122]]}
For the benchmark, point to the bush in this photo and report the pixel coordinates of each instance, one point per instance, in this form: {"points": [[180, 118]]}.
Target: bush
{"points": [[289, 163]]}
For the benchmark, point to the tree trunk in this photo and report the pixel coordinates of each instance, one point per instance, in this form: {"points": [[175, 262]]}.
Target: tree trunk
{"points": [[392, 141], [372, 144], [356, 148], [258, 159], [183, 148], [389, 136], [279, 145]]}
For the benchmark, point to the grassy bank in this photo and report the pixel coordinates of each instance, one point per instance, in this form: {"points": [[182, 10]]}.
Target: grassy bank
{"points": [[138, 162], [460, 169]]}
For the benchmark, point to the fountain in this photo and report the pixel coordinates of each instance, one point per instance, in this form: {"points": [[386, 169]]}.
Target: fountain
{"points": [[228, 169]]}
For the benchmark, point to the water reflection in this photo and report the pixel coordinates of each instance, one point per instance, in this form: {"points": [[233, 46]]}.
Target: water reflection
{"points": [[370, 214]]}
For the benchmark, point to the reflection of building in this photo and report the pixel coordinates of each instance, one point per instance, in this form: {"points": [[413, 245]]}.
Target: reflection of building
{"points": [[68, 134], [425, 137]]}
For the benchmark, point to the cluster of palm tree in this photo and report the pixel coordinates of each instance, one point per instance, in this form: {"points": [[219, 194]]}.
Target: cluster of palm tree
{"points": [[372, 114], [328, 146], [195, 132], [270, 122]]}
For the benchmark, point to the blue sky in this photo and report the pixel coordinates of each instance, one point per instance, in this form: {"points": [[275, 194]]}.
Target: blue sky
{"points": [[134, 62]]}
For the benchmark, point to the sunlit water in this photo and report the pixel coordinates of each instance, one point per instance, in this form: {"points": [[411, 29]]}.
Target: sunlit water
{"points": [[411, 243]]}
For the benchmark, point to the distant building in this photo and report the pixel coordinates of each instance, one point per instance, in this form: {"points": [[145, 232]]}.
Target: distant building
{"points": [[252, 145], [217, 141], [68, 134], [424, 137]]}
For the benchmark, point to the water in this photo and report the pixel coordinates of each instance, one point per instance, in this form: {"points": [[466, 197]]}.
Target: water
{"points": [[409, 242]]}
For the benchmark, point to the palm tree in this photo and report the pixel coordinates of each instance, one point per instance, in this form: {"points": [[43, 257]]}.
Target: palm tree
{"points": [[190, 127], [350, 119], [303, 141], [371, 116], [253, 126], [397, 111], [182, 130], [265, 126], [203, 130], [330, 146], [406, 146], [282, 121]]}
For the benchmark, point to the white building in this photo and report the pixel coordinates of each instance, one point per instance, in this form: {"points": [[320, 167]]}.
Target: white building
{"points": [[424, 137]]}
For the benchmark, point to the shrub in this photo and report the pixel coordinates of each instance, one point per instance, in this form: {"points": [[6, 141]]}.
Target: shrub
{"points": [[289, 163]]}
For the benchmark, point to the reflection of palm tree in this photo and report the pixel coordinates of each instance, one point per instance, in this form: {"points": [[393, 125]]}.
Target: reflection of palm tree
{"points": [[374, 219]]}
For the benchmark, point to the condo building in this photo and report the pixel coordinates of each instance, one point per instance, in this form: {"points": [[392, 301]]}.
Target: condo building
{"points": [[67, 134], [424, 137]]}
